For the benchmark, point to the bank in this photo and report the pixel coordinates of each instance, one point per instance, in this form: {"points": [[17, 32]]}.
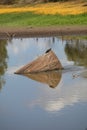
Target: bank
{"points": [[10, 32]]}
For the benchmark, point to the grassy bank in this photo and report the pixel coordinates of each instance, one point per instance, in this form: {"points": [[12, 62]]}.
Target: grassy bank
{"points": [[32, 19], [48, 14]]}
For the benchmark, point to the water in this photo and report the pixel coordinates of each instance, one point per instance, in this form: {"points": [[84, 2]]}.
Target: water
{"points": [[28, 104]]}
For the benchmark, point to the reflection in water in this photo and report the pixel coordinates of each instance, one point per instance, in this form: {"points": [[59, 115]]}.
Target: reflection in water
{"points": [[84, 74], [67, 93], [3, 62], [76, 51], [52, 78], [49, 42], [35, 105]]}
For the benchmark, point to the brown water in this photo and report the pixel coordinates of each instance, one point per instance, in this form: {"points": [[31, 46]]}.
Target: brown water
{"points": [[55, 100]]}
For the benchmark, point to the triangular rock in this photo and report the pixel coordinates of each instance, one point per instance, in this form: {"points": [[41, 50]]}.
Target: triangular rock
{"points": [[46, 62]]}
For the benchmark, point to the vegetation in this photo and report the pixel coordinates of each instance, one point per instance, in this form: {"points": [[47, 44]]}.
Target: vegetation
{"points": [[76, 50], [45, 14], [33, 1], [64, 8], [3, 61], [31, 19], [27, 1]]}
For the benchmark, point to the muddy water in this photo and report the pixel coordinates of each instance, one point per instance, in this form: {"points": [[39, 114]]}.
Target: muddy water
{"points": [[55, 100]]}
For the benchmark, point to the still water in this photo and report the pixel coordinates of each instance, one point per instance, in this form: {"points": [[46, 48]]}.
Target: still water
{"points": [[29, 104]]}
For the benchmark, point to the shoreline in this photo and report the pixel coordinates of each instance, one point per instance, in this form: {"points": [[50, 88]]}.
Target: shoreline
{"points": [[18, 32]]}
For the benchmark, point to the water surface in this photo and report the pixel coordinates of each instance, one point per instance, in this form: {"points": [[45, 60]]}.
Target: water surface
{"points": [[59, 101]]}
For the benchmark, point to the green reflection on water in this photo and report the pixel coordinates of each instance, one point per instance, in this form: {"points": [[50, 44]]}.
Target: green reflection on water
{"points": [[3, 61], [76, 50]]}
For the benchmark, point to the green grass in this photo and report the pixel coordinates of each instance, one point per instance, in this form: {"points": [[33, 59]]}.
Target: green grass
{"points": [[31, 19]]}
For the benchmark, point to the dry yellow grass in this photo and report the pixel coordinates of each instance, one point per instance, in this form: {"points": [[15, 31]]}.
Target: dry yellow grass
{"points": [[50, 8]]}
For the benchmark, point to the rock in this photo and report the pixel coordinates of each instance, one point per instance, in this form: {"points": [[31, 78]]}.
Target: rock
{"points": [[46, 62]]}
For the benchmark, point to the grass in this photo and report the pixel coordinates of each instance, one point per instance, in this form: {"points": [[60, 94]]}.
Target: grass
{"points": [[32, 19], [49, 14], [64, 8]]}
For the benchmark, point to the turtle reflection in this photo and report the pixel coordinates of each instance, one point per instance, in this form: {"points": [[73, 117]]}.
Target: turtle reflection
{"points": [[51, 78]]}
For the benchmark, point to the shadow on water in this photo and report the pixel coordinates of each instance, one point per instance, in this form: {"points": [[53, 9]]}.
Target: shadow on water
{"points": [[3, 61]]}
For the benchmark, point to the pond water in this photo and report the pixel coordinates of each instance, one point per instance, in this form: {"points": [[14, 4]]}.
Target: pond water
{"points": [[28, 104]]}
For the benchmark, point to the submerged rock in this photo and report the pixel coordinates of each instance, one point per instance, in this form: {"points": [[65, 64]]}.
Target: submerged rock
{"points": [[46, 62]]}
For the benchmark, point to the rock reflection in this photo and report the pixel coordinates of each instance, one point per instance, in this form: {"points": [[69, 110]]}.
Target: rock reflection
{"points": [[51, 78], [76, 50], [67, 93], [3, 62]]}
